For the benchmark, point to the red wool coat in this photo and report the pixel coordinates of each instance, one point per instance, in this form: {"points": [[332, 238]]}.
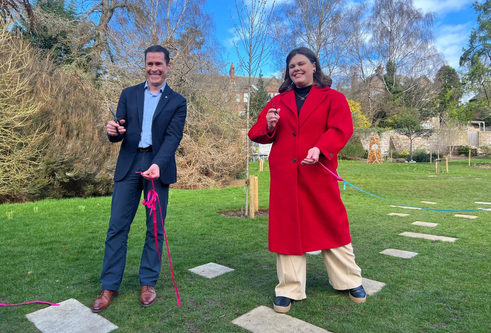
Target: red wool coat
{"points": [[305, 208]]}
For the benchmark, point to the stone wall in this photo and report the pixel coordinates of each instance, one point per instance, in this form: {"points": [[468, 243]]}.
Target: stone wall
{"points": [[439, 141]]}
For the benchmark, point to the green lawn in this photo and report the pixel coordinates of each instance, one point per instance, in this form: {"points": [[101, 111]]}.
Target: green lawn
{"points": [[52, 250]]}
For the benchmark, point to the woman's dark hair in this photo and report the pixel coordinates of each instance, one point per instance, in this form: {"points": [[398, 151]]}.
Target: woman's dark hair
{"points": [[321, 80], [157, 49]]}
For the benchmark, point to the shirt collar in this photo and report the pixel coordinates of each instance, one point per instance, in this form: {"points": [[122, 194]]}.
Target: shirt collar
{"points": [[161, 90]]}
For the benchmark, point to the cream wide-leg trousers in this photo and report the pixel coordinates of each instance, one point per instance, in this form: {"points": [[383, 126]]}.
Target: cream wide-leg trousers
{"points": [[340, 264]]}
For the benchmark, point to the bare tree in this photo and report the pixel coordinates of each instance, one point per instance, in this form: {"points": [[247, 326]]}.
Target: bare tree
{"points": [[327, 27], [253, 46], [399, 37]]}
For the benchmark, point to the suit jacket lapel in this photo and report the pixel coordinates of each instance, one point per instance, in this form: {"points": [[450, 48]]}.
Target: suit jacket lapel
{"points": [[315, 97], [164, 98], [140, 99]]}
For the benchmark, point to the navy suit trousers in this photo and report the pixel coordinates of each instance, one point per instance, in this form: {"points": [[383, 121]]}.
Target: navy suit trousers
{"points": [[125, 200]]}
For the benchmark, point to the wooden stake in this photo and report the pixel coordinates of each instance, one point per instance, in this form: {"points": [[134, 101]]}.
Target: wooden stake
{"points": [[391, 156], [261, 166], [436, 166], [446, 163], [469, 157], [431, 155], [256, 194], [251, 196]]}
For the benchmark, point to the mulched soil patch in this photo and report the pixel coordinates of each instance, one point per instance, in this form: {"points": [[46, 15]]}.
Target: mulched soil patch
{"points": [[482, 166], [240, 213]]}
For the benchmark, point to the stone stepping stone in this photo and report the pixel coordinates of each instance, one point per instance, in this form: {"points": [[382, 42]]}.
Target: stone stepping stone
{"points": [[483, 203], [70, 316], [405, 207], [399, 253], [429, 202], [398, 214], [314, 253], [371, 286], [211, 270], [264, 320], [430, 237], [432, 176], [425, 224], [466, 216]]}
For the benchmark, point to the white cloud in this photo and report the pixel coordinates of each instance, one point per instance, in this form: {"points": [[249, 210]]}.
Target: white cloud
{"points": [[450, 39], [441, 7]]}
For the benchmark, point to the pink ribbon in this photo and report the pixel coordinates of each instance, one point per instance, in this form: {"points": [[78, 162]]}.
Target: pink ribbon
{"points": [[149, 202], [332, 173], [42, 302]]}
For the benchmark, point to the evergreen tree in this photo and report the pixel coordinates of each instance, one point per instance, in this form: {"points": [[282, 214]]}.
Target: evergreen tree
{"points": [[449, 91], [259, 98], [55, 27]]}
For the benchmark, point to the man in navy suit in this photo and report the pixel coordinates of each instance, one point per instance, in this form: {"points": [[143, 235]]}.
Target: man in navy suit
{"points": [[150, 122]]}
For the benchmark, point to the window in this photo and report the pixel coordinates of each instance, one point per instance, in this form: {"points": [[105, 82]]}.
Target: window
{"points": [[246, 97], [237, 98]]}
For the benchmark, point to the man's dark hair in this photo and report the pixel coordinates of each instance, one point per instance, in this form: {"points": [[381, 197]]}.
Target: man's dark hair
{"points": [[156, 49], [321, 80]]}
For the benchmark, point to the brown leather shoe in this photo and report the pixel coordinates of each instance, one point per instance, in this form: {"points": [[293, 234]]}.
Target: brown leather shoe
{"points": [[103, 300], [148, 295]]}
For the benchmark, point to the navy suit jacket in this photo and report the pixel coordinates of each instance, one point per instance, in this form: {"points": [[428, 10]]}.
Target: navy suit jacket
{"points": [[167, 130]]}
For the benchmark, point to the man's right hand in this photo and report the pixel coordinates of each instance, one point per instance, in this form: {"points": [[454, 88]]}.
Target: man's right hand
{"points": [[114, 129]]}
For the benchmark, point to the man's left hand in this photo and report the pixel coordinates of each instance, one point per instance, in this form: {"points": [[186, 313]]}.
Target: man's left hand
{"points": [[152, 172]]}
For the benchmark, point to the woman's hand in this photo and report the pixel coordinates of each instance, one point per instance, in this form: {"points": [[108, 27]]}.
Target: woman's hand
{"points": [[312, 156], [272, 118]]}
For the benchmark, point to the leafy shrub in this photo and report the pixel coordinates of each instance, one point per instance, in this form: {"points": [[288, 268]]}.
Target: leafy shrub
{"points": [[403, 154], [421, 155], [395, 154], [464, 150], [353, 151], [485, 150]]}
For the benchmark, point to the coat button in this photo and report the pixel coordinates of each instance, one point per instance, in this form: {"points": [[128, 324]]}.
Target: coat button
{"points": [[330, 155], [263, 132], [294, 134], [294, 160]]}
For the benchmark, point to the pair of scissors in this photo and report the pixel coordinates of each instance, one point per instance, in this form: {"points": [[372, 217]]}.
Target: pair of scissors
{"points": [[115, 118]]}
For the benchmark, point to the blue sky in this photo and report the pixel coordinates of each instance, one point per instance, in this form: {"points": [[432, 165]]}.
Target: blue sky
{"points": [[452, 27]]}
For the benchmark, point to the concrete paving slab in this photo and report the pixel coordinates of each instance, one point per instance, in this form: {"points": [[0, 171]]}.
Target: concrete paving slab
{"points": [[430, 237], [264, 320], [466, 216], [405, 207], [425, 224], [399, 253], [432, 176], [371, 286], [211, 270], [483, 203], [314, 253], [70, 316], [429, 202], [398, 214]]}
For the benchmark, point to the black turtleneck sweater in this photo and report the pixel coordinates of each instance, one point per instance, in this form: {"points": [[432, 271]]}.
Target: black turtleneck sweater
{"points": [[300, 96]]}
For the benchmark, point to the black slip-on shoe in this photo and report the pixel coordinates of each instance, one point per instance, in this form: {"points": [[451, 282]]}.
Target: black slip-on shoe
{"points": [[282, 304], [358, 295]]}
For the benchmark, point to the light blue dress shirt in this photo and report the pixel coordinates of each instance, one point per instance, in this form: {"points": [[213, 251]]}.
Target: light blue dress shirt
{"points": [[149, 106]]}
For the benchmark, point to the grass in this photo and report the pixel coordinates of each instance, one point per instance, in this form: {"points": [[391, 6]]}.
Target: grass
{"points": [[52, 250]]}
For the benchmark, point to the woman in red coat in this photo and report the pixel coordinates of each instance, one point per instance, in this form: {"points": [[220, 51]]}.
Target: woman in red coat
{"points": [[307, 123]]}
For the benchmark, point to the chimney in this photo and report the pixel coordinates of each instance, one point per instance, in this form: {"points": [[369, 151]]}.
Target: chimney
{"points": [[232, 73]]}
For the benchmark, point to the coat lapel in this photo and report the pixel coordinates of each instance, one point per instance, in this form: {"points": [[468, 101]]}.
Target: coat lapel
{"points": [[164, 98], [140, 99], [315, 97], [289, 101]]}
